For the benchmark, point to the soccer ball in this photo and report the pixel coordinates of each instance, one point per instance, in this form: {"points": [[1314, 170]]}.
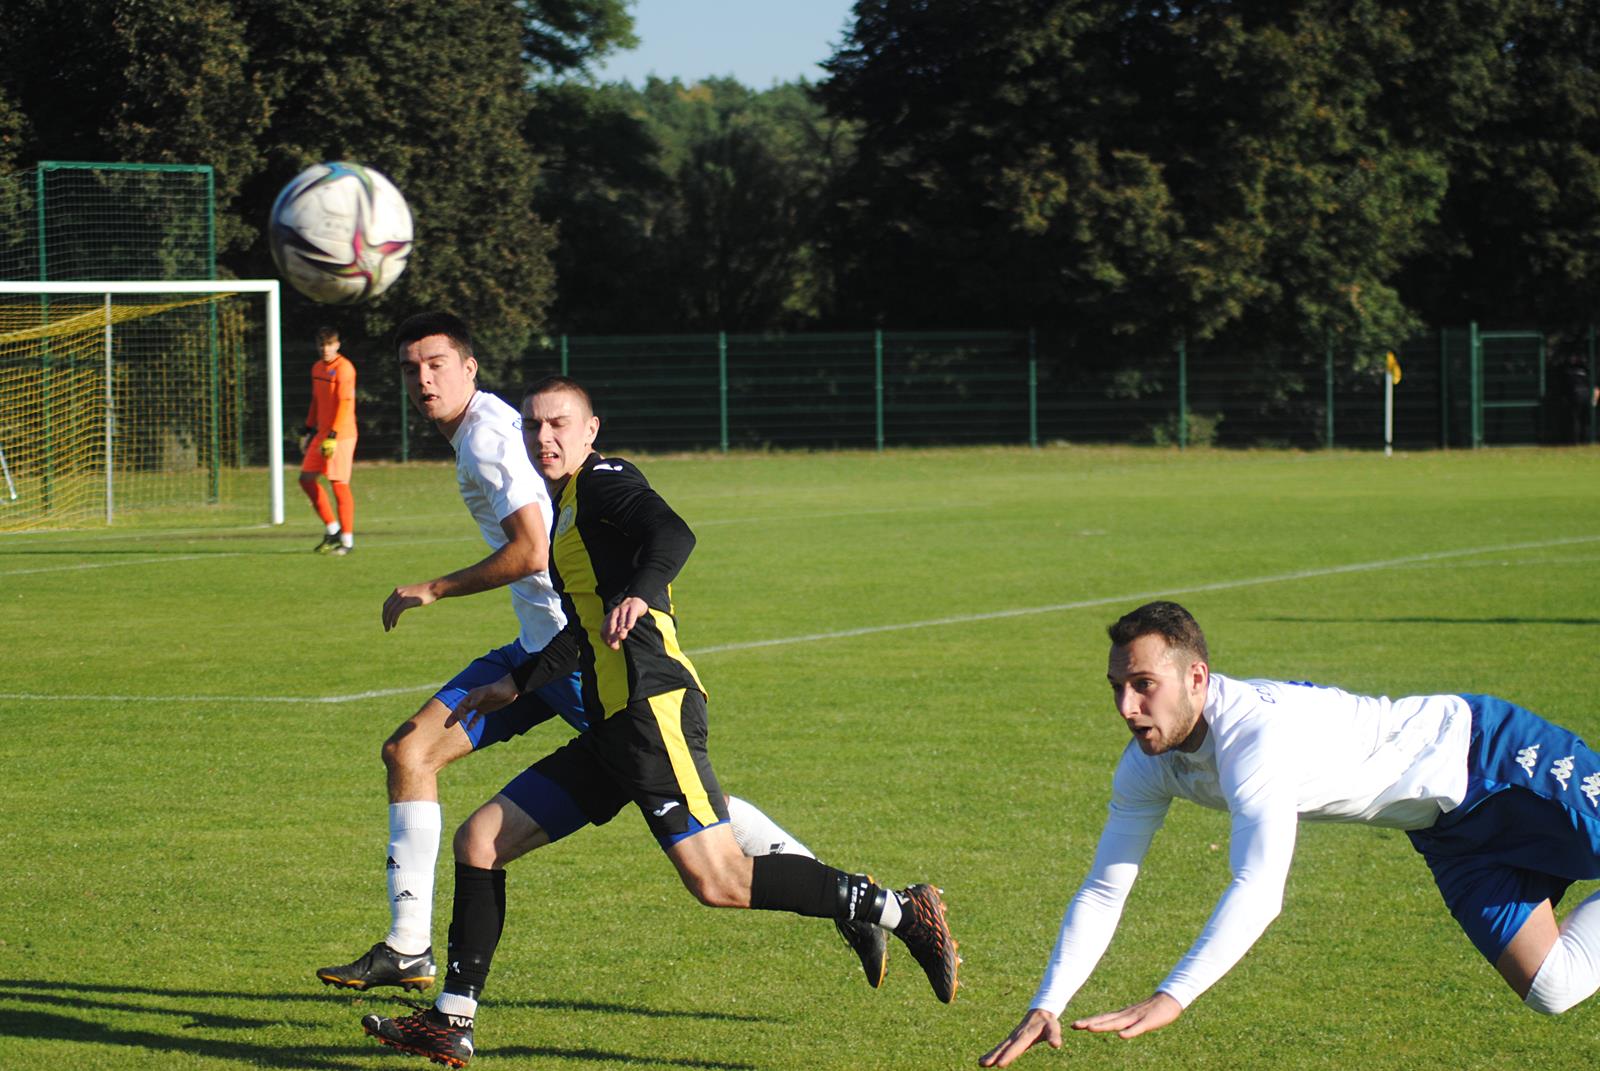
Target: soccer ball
{"points": [[340, 232]]}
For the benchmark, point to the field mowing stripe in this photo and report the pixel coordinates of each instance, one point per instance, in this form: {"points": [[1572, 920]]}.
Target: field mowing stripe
{"points": [[959, 619]]}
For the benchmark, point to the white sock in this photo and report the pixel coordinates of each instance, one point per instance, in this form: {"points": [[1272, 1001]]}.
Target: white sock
{"points": [[756, 834], [347, 539], [413, 849], [891, 911], [455, 1004], [1571, 972], [333, 527]]}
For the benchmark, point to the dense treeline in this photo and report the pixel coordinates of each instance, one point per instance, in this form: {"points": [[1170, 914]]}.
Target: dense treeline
{"points": [[1265, 174]]}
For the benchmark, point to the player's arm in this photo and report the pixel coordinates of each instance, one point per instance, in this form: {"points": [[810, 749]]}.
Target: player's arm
{"points": [[665, 542], [555, 660], [1090, 920], [1256, 776], [526, 551]]}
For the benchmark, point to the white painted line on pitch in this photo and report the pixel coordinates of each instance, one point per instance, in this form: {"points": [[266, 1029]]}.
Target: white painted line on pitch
{"points": [[1142, 597], [960, 619], [25, 697], [117, 565]]}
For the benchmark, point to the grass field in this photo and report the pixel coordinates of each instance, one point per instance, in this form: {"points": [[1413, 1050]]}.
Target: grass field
{"points": [[906, 660]]}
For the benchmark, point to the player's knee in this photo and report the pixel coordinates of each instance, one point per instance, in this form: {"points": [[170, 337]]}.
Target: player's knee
{"points": [[1563, 982], [474, 846], [717, 887], [407, 751]]}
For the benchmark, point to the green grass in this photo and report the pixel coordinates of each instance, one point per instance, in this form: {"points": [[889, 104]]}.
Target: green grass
{"points": [[180, 852]]}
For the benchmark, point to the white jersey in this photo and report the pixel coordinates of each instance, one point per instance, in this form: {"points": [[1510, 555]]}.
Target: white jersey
{"points": [[497, 479], [1274, 753]]}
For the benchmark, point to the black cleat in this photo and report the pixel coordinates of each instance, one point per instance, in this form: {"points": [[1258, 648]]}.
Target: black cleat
{"points": [[382, 965], [870, 944], [444, 1039], [328, 545], [927, 935]]}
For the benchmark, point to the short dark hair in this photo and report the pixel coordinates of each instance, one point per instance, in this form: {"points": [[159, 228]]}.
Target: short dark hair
{"points": [[326, 334], [566, 383], [435, 322], [1165, 619]]}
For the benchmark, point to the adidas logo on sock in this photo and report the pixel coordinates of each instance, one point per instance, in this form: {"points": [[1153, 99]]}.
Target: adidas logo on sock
{"points": [[402, 895], [392, 864]]}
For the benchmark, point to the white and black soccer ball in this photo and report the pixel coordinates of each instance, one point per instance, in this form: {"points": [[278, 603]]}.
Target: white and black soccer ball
{"points": [[340, 233]]}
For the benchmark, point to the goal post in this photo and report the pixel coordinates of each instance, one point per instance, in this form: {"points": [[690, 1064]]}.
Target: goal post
{"points": [[122, 396]]}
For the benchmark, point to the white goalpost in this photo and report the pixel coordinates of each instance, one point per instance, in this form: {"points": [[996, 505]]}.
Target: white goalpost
{"points": [[120, 395]]}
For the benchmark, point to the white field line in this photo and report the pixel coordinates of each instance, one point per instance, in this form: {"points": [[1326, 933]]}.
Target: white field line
{"points": [[957, 619]]}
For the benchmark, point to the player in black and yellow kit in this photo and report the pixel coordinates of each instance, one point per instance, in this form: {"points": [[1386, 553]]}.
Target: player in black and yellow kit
{"points": [[614, 551]]}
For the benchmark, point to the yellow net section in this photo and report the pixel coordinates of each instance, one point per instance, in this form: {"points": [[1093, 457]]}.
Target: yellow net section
{"points": [[127, 404]]}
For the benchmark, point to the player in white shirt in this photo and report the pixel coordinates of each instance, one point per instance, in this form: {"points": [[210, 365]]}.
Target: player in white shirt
{"points": [[509, 501], [1503, 805]]}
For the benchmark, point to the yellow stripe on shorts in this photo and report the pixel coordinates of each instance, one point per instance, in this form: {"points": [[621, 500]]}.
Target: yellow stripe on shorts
{"points": [[668, 711]]}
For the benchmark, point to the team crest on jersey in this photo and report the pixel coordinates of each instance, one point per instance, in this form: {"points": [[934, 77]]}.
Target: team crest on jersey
{"points": [[1528, 758], [564, 522]]}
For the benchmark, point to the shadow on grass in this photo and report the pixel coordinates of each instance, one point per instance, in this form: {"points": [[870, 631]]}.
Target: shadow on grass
{"points": [[591, 1055], [46, 1026], [50, 1025]]}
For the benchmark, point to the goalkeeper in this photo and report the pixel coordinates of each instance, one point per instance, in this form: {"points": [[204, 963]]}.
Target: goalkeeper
{"points": [[329, 442]]}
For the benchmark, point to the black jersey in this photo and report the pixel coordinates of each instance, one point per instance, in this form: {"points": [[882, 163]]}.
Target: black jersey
{"points": [[614, 537]]}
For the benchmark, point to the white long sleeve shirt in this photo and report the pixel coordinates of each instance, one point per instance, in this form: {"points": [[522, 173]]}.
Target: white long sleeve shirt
{"points": [[1275, 752]]}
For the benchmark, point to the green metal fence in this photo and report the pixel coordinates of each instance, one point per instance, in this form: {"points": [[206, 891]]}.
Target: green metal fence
{"points": [[1461, 387]]}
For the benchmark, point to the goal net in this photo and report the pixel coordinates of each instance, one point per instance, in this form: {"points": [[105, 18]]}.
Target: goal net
{"points": [[119, 400]]}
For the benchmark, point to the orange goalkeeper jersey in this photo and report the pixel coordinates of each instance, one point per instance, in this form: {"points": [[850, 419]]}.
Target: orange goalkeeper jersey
{"points": [[333, 397]]}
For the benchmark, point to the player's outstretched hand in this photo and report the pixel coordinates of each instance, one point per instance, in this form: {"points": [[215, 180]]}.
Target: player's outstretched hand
{"points": [[481, 700], [405, 598], [1038, 1025], [621, 619], [1141, 1018]]}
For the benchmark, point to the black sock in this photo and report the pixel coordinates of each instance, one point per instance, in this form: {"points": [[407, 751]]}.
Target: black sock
{"points": [[794, 883], [476, 919], [806, 887]]}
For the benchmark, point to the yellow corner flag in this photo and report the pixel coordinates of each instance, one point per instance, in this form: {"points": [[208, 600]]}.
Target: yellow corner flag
{"points": [[1392, 366]]}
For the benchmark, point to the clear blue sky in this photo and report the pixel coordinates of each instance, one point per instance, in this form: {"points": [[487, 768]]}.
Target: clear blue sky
{"points": [[757, 42]]}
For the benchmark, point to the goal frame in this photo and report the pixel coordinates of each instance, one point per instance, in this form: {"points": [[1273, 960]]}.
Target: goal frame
{"points": [[274, 346]]}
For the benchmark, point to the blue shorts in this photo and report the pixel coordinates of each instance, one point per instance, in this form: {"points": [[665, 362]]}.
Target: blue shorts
{"points": [[1528, 827], [562, 698]]}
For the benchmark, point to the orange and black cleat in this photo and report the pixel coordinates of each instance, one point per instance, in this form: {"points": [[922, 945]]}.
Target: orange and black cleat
{"points": [[927, 935], [444, 1039]]}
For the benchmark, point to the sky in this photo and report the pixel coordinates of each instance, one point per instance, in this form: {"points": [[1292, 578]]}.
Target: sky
{"points": [[756, 42]]}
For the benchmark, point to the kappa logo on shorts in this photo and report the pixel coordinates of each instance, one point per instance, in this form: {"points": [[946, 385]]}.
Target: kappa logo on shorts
{"points": [[1528, 758], [1561, 770], [564, 522], [1590, 786]]}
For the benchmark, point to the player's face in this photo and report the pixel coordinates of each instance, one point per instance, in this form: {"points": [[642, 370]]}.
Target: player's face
{"points": [[329, 350], [438, 378], [559, 431], [1159, 698]]}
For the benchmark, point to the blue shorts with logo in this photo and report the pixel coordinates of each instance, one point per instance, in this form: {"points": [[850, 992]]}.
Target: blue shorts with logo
{"points": [[1528, 827], [560, 698]]}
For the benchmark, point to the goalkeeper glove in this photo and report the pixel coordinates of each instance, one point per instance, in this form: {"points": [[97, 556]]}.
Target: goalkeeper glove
{"points": [[328, 445], [307, 433]]}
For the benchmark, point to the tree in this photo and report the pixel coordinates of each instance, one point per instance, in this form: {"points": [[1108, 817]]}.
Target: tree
{"points": [[1131, 171], [434, 95], [689, 208]]}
